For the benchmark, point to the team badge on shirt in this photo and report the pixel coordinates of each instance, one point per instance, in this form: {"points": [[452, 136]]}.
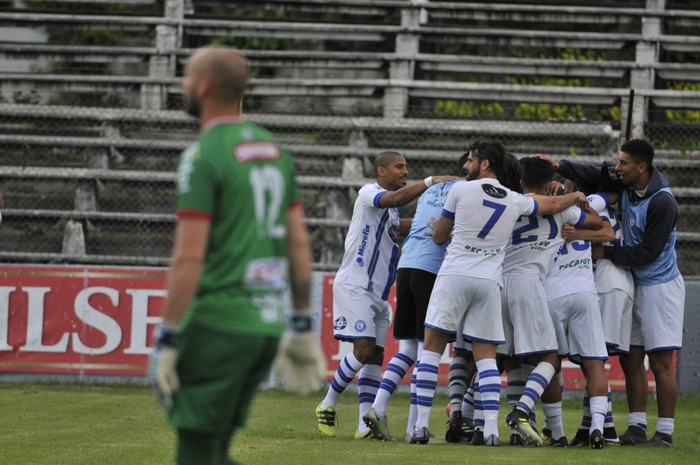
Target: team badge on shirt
{"points": [[360, 326], [493, 191], [340, 323]]}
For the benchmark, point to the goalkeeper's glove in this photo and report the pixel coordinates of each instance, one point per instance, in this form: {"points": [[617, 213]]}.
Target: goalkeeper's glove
{"points": [[162, 372], [300, 361]]}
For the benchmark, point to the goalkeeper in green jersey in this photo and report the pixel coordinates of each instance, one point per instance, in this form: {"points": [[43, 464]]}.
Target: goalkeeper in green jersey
{"points": [[240, 241]]}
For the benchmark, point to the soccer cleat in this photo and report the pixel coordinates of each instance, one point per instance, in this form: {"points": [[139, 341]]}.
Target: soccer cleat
{"points": [[519, 421], [596, 439], [549, 441], [407, 437], [515, 439], [659, 440], [362, 434], [581, 438], [633, 436], [420, 436], [327, 420], [467, 429], [453, 432], [477, 438], [378, 425], [492, 440], [610, 436]]}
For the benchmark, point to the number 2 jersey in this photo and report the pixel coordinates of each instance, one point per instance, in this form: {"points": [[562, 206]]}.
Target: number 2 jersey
{"points": [[241, 180], [484, 213], [536, 240]]}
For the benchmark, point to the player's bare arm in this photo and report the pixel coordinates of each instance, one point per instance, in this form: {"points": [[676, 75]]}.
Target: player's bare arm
{"points": [[299, 259], [548, 205], [442, 230], [603, 234], [191, 238], [405, 226], [554, 164], [407, 194]]}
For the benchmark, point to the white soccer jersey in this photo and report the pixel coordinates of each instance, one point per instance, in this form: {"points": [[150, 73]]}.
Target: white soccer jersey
{"points": [[484, 213], [536, 240], [609, 276], [371, 246]]}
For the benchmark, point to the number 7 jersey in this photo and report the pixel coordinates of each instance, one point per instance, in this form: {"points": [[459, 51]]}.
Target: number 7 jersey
{"points": [[484, 213]]}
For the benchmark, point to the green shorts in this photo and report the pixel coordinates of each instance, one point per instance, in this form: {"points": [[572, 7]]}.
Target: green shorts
{"points": [[219, 374]]}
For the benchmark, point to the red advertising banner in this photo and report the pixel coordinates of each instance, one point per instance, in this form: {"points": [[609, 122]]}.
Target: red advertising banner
{"points": [[336, 350], [78, 320], [100, 321]]}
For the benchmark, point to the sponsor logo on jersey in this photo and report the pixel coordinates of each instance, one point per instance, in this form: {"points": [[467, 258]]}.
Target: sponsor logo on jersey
{"points": [[363, 246], [340, 323], [360, 326], [493, 191], [252, 151]]}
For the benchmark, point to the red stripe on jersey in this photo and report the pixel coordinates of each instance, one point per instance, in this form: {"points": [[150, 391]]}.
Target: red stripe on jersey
{"points": [[188, 213]]}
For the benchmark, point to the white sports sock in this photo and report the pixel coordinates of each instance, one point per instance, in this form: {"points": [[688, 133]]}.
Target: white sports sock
{"points": [[665, 426], [554, 419], [638, 419], [599, 407], [413, 409]]}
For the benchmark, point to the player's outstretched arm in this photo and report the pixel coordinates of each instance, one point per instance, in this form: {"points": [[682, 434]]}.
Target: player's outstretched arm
{"points": [[550, 204], [407, 194]]}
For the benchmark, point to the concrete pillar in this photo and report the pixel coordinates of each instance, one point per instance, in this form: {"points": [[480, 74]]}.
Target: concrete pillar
{"points": [[407, 47], [73, 239], [647, 54], [168, 37]]}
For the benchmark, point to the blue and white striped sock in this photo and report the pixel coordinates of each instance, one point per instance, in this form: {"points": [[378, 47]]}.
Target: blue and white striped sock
{"points": [[536, 384], [457, 382], [609, 419], [638, 419], [347, 369], [490, 387], [394, 373], [478, 408], [367, 386], [515, 386], [468, 403], [426, 383]]}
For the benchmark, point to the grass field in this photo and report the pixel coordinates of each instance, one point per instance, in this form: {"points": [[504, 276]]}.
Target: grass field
{"points": [[62, 424]]}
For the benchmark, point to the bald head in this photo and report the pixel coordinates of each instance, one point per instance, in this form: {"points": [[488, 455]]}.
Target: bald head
{"points": [[216, 74]]}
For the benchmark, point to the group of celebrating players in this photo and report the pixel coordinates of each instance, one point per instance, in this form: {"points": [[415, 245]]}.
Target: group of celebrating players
{"points": [[518, 271]]}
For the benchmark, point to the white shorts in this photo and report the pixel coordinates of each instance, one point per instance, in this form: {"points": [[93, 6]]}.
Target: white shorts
{"points": [[468, 305], [359, 314], [578, 326], [527, 325], [657, 322], [616, 314]]}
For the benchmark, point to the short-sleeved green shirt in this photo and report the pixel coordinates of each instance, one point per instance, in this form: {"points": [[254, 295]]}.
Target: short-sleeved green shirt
{"points": [[237, 176]]}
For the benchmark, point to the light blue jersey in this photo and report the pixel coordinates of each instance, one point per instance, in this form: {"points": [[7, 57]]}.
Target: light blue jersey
{"points": [[419, 251]]}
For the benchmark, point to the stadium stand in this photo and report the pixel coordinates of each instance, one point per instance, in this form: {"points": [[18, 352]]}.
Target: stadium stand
{"points": [[90, 127]]}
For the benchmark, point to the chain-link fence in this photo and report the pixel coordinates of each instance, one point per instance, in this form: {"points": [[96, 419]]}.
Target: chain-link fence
{"points": [[96, 185]]}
